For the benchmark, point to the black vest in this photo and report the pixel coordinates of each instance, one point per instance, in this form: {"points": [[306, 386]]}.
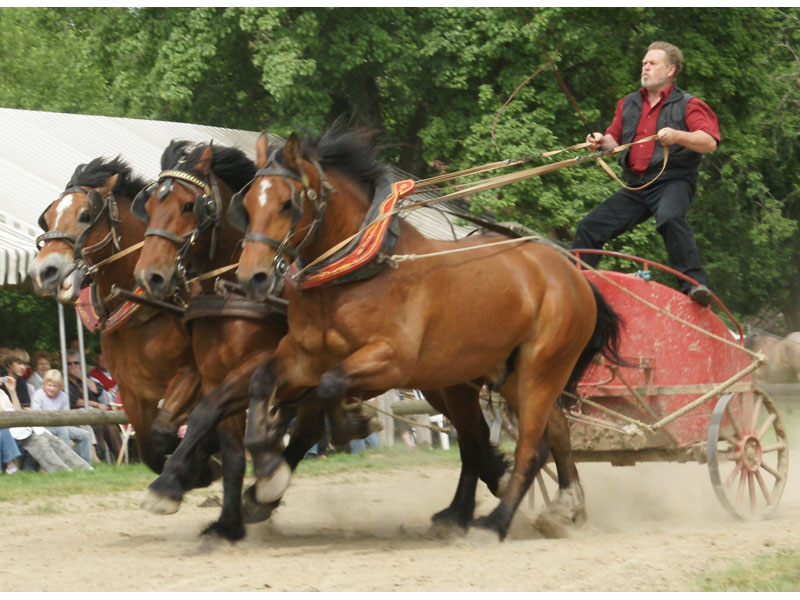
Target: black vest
{"points": [[682, 162]]}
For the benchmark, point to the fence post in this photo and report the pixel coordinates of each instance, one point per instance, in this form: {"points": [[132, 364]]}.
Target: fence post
{"points": [[385, 404]]}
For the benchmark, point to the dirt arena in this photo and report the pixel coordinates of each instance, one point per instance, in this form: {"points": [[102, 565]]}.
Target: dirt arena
{"points": [[652, 527]]}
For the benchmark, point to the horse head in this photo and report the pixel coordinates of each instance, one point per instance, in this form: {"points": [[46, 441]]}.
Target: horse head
{"points": [[83, 227], [284, 210], [183, 212]]}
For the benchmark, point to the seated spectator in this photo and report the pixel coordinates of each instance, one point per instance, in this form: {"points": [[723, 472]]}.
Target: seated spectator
{"points": [[50, 452], [105, 435], [17, 365], [9, 451], [52, 397], [42, 363]]}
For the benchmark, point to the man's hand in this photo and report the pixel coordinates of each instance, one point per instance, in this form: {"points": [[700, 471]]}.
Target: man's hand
{"points": [[667, 136], [594, 140]]}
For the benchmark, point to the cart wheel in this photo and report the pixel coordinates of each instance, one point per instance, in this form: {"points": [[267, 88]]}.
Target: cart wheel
{"points": [[748, 454], [544, 488], [545, 485]]}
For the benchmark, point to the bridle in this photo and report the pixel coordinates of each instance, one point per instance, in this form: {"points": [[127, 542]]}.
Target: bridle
{"points": [[99, 206], [207, 212], [238, 218]]}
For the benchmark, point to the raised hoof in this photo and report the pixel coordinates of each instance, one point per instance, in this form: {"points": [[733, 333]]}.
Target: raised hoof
{"points": [[159, 504], [269, 489], [252, 510]]}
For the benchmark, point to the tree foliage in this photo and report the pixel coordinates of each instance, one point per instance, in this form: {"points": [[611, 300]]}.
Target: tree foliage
{"points": [[434, 80]]}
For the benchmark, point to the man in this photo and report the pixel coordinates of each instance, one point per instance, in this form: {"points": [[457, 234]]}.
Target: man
{"points": [[689, 127]]}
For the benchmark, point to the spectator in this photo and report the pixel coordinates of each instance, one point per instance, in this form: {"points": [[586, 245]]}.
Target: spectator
{"points": [[97, 398], [17, 364], [42, 363], [50, 452], [52, 397], [9, 451]]}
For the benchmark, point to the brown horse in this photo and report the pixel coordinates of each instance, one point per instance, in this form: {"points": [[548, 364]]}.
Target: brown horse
{"points": [[519, 316], [149, 355], [783, 357], [240, 345]]}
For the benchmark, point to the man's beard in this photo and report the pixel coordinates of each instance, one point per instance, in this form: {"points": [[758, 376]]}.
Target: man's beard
{"points": [[651, 82]]}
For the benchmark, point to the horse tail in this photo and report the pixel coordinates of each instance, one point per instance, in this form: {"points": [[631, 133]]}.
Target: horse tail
{"points": [[605, 341]]}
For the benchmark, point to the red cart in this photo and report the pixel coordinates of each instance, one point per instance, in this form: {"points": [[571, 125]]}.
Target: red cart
{"points": [[687, 396]]}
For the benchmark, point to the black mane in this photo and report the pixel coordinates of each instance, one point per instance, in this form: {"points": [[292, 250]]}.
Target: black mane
{"points": [[229, 164], [353, 152], [96, 172]]}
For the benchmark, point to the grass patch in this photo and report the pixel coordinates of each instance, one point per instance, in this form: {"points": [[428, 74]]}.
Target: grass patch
{"points": [[379, 459], [778, 572], [105, 479]]}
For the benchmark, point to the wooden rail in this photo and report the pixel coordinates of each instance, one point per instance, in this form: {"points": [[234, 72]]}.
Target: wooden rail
{"points": [[95, 416]]}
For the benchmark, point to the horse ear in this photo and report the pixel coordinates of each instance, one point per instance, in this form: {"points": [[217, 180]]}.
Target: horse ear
{"points": [[293, 154], [109, 185], [203, 163], [262, 150]]}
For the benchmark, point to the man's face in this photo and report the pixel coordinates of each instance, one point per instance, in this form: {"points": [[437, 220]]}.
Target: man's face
{"points": [[17, 368], [655, 71], [74, 367]]}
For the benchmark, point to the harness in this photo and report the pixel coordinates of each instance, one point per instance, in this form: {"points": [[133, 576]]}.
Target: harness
{"points": [[237, 215], [89, 306], [207, 213]]}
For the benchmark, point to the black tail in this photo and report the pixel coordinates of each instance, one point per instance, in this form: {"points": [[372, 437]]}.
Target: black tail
{"points": [[605, 341]]}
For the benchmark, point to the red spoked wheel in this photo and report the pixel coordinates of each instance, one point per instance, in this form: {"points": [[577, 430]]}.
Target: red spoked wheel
{"points": [[748, 454]]}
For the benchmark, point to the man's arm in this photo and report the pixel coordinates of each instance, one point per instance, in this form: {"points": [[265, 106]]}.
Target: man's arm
{"points": [[697, 141]]}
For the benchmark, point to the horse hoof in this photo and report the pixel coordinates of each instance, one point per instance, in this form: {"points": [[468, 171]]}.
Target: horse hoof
{"points": [[252, 510], [481, 537], [550, 528], [159, 504], [269, 489], [446, 529]]}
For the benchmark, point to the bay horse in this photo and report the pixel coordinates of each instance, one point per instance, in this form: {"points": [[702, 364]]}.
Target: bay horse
{"points": [[185, 239], [149, 354], [519, 316], [783, 357], [193, 176]]}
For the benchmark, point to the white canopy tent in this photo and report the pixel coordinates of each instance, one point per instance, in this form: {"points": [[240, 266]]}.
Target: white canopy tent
{"points": [[42, 149]]}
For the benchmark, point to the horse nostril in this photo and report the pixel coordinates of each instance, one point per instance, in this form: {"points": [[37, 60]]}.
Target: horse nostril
{"points": [[156, 281], [49, 274], [260, 279]]}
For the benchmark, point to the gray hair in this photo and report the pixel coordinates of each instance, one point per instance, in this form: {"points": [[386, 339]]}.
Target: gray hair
{"points": [[674, 54]]}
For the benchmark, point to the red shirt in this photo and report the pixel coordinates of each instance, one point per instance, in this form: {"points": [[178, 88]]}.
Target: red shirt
{"points": [[699, 117]]}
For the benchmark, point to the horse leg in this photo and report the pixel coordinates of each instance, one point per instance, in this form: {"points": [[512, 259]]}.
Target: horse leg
{"points": [[307, 431], [141, 414], [569, 507], [166, 492], [534, 394], [179, 399], [462, 409], [230, 525]]}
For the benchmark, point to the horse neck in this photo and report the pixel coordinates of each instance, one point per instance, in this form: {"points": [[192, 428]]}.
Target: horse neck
{"points": [[120, 272], [343, 217]]}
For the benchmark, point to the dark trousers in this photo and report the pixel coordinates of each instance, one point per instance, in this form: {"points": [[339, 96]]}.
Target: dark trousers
{"points": [[667, 201]]}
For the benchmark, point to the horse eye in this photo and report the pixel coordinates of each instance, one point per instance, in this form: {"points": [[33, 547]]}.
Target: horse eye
{"points": [[287, 206], [188, 207], [84, 217]]}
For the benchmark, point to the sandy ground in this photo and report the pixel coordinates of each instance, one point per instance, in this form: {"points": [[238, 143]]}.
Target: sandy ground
{"points": [[652, 527]]}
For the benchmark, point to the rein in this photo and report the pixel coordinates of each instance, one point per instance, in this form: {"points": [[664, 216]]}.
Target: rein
{"points": [[489, 184]]}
